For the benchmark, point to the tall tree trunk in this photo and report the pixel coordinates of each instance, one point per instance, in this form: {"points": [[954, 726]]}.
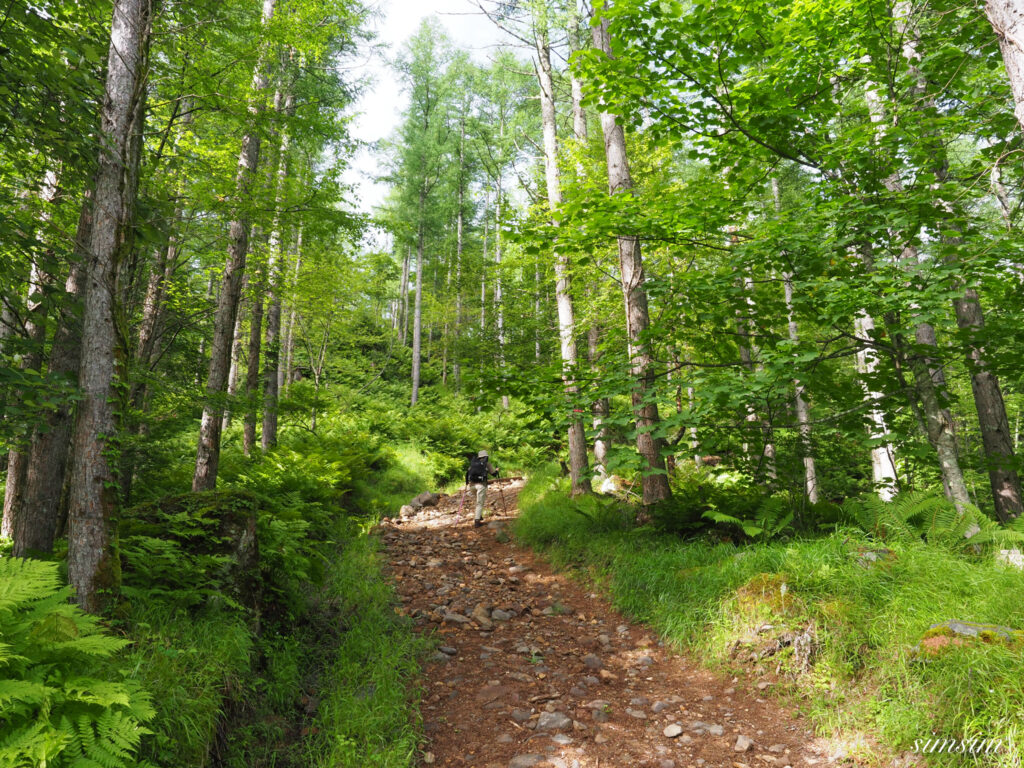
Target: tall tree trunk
{"points": [[499, 301], [600, 408], [275, 281], [417, 323], [799, 403], [883, 455], [579, 473], [252, 371], [51, 444], [236, 357], [208, 448], [15, 512], [459, 225], [1007, 18], [645, 409], [92, 562], [289, 339]]}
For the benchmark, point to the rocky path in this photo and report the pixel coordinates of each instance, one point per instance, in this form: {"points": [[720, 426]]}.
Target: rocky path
{"points": [[534, 670]]}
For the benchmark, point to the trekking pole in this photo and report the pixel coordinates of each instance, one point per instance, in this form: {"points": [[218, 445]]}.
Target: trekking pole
{"points": [[504, 506], [461, 500]]}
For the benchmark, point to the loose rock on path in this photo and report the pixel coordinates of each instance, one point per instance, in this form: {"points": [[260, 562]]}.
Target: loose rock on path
{"points": [[533, 670]]}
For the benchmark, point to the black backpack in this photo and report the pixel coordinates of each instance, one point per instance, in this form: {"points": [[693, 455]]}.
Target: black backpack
{"points": [[477, 469]]}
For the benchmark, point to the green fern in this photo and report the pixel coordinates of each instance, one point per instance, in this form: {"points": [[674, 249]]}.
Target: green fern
{"points": [[62, 702], [930, 517]]}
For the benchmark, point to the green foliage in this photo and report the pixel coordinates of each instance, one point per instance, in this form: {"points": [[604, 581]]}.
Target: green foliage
{"points": [[63, 700]]}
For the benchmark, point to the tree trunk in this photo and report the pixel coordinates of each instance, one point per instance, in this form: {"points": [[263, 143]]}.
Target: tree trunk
{"points": [[289, 340], [800, 404], [883, 455], [15, 512], [275, 274], [1007, 18], [406, 262], [749, 356], [579, 473], [51, 445], [417, 322], [600, 408], [92, 563], [252, 371], [236, 357], [645, 409], [208, 449]]}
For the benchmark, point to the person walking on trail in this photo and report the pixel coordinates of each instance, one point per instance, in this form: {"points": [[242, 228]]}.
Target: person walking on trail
{"points": [[479, 469]]}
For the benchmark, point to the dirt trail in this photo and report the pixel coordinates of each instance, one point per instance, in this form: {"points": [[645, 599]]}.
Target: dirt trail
{"points": [[534, 670]]}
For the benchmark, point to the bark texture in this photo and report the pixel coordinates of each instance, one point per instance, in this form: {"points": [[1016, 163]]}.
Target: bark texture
{"points": [[92, 563], [578, 470], [1007, 19], [645, 409], [208, 448]]}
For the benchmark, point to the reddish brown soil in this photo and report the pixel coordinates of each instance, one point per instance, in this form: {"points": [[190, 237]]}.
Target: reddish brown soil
{"points": [[564, 650]]}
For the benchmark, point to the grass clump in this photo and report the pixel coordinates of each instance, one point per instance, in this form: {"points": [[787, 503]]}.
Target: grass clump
{"points": [[841, 629]]}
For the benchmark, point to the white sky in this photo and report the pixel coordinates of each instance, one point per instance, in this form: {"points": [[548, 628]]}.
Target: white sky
{"points": [[381, 106]]}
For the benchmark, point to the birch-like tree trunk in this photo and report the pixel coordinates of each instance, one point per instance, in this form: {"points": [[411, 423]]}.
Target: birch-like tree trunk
{"points": [[208, 449], [252, 370], [1007, 19], [236, 357], [92, 566], [417, 322], [289, 337], [645, 409], [883, 455], [803, 418], [579, 473], [275, 285]]}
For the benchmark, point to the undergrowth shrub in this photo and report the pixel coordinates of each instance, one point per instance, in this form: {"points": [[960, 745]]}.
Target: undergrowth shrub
{"points": [[64, 701]]}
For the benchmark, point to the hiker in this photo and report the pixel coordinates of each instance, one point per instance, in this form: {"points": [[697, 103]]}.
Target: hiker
{"points": [[477, 472]]}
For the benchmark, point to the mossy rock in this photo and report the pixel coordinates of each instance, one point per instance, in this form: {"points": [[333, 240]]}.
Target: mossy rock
{"points": [[768, 593], [946, 635]]}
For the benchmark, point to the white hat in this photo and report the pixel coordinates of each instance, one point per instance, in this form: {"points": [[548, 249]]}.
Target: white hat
{"points": [[482, 455]]}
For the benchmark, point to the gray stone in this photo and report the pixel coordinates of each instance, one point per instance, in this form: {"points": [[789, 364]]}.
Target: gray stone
{"points": [[520, 715], [525, 761], [673, 730], [455, 618], [639, 701], [425, 499], [645, 661], [743, 743], [763, 685], [973, 629], [505, 738], [406, 511], [482, 616], [638, 714], [666, 763], [435, 563], [561, 738], [553, 721], [447, 650], [592, 662], [660, 706], [777, 749], [499, 615]]}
